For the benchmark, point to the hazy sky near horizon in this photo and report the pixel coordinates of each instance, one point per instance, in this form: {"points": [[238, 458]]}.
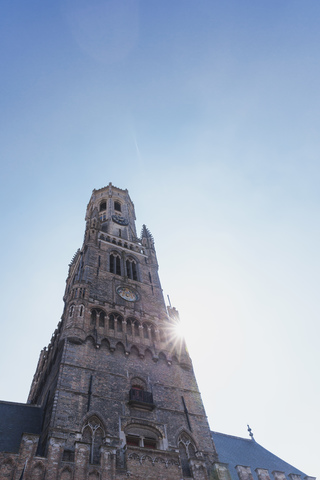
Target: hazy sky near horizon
{"points": [[208, 112]]}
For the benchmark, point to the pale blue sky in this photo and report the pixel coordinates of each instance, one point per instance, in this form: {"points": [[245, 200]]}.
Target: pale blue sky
{"points": [[208, 112]]}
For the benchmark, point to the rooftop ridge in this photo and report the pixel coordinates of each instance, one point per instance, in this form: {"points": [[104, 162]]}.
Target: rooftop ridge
{"points": [[233, 436]]}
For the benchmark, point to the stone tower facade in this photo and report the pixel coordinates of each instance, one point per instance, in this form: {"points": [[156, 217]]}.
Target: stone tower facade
{"points": [[116, 385]]}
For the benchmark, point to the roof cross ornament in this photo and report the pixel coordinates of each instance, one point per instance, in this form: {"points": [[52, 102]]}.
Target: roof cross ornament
{"points": [[250, 433]]}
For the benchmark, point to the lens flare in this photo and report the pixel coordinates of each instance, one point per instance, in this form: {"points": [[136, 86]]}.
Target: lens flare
{"points": [[176, 339], [178, 330]]}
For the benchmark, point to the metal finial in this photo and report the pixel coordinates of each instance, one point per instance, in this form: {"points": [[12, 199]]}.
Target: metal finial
{"points": [[250, 432]]}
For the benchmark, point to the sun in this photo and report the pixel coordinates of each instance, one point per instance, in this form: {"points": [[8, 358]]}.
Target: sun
{"points": [[175, 334], [178, 331]]}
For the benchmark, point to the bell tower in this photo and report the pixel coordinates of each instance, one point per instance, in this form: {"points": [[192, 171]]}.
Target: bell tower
{"points": [[116, 383]]}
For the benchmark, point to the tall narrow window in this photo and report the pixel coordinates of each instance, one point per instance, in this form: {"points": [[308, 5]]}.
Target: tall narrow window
{"points": [[119, 324], [129, 327], [111, 321], [93, 317], [128, 264], [103, 206], [134, 271], [184, 461], [115, 322], [101, 319], [145, 331], [131, 269], [112, 263], [187, 450], [117, 206], [93, 434], [115, 264], [118, 266], [97, 315], [153, 334]]}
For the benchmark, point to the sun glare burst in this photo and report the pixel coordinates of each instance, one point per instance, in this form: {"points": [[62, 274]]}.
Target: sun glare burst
{"points": [[176, 337], [178, 330]]}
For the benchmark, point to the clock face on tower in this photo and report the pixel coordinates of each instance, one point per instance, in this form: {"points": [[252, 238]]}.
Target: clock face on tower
{"points": [[127, 294], [120, 220]]}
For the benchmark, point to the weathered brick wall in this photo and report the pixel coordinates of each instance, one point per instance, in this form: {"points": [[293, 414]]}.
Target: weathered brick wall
{"points": [[153, 465]]}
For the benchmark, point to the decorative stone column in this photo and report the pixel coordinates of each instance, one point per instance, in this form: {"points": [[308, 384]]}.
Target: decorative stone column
{"points": [[81, 460], [124, 327], [55, 451], [244, 473], [27, 451], [198, 469], [141, 333], [108, 463], [294, 476], [221, 470], [263, 474], [157, 332], [279, 475]]}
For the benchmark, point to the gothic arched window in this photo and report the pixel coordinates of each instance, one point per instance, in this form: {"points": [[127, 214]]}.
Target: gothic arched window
{"points": [[153, 333], [187, 450], [97, 315], [186, 471], [115, 322], [119, 324], [93, 434], [115, 263], [131, 269]]}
